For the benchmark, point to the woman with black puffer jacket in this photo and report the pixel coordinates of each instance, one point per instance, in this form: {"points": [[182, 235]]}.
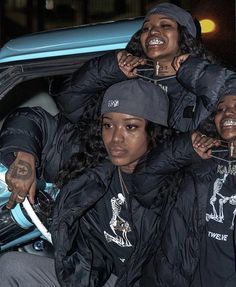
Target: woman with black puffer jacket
{"points": [[157, 53]]}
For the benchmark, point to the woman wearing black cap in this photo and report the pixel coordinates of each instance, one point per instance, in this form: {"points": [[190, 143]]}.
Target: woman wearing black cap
{"points": [[199, 243], [100, 230], [168, 32]]}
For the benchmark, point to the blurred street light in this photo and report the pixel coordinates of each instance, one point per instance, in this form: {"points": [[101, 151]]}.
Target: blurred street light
{"points": [[207, 25]]}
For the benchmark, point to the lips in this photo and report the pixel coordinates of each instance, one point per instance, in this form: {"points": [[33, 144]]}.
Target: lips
{"points": [[117, 152], [228, 123], [154, 41]]}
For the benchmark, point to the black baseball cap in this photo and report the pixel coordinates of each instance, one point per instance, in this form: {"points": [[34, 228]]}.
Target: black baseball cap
{"points": [[139, 98], [176, 13]]}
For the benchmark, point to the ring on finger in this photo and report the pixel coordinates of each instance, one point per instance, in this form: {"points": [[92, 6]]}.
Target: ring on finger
{"points": [[203, 136], [20, 197]]}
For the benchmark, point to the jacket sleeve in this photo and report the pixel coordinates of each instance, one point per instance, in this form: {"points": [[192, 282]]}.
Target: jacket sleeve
{"points": [[26, 129], [178, 256], [75, 199], [207, 81], [162, 164], [73, 94]]}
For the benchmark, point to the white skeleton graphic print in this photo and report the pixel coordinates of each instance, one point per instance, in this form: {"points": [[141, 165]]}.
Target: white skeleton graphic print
{"points": [[221, 200], [117, 223]]}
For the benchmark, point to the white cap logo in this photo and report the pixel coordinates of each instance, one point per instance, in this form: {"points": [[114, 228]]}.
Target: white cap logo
{"points": [[113, 103]]}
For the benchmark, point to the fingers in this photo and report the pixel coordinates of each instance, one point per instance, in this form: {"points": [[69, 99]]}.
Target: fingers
{"points": [[204, 142], [21, 179], [127, 63], [19, 194], [32, 192], [11, 202], [14, 199], [17, 188], [131, 61], [179, 60]]}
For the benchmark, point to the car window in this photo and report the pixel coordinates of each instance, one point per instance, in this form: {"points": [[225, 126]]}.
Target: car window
{"points": [[25, 70], [27, 82], [30, 93], [28, 62]]}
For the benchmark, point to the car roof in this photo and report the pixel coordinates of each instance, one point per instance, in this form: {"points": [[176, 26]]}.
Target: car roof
{"points": [[69, 41]]}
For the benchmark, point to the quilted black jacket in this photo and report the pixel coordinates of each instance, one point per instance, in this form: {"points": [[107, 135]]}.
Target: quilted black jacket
{"points": [[80, 261], [49, 138], [176, 261], [192, 93]]}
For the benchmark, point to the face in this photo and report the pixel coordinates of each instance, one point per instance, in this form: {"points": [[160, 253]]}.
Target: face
{"points": [[125, 139], [225, 119], [159, 37]]}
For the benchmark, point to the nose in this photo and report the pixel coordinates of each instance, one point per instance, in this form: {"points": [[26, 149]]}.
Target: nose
{"points": [[155, 30], [117, 135], [230, 111]]}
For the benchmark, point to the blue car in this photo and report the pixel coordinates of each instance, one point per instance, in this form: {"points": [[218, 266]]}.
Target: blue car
{"points": [[26, 63], [57, 52]]}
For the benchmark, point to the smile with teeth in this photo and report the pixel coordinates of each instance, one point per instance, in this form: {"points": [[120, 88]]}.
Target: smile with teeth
{"points": [[155, 41], [228, 123]]}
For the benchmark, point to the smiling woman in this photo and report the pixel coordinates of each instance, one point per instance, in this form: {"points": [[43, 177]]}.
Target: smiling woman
{"points": [[157, 52], [114, 191], [202, 221], [168, 32], [225, 118]]}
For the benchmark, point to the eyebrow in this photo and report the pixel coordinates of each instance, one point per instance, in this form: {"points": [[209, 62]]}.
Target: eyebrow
{"points": [[162, 18], [137, 119], [222, 101], [126, 119]]}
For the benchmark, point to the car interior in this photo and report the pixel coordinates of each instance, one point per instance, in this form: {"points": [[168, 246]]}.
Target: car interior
{"points": [[27, 83]]}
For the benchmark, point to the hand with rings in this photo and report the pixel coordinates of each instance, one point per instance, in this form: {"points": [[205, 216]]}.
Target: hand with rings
{"points": [[202, 144], [20, 197], [14, 198], [128, 63], [21, 179]]}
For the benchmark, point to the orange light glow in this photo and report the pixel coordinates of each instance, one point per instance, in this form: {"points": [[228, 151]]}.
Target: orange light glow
{"points": [[207, 26]]}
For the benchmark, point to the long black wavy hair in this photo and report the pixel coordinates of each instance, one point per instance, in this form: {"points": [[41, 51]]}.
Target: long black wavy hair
{"points": [[187, 44], [92, 150]]}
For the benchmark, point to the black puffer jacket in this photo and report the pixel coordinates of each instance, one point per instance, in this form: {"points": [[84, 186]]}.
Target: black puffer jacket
{"points": [[50, 139], [192, 93], [80, 260], [176, 261]]}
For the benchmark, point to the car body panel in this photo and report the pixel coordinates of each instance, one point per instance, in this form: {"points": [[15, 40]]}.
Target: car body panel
{"points": [[70, 41], [61, 51]]}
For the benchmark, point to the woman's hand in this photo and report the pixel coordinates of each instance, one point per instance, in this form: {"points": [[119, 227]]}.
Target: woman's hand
{"points": [[128, 63], [179, 60], [21, 179], [203, 144]]}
